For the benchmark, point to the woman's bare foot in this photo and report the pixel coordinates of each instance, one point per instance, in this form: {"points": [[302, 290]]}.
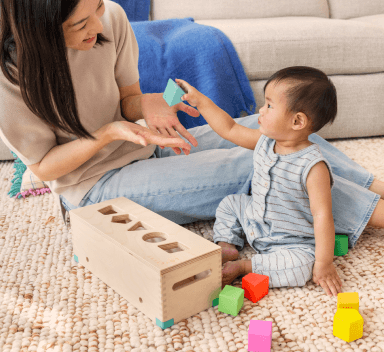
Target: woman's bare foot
{"points": [[228, 252], [230, 271], [377, 187], [377, 218]]}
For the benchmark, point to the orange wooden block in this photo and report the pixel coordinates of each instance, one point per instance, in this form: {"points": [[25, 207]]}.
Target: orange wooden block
{"points": [[255, 286]]}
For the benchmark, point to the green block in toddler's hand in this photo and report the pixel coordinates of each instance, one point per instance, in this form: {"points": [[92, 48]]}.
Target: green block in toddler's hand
{"points": [[341, 245], [173, 93]]}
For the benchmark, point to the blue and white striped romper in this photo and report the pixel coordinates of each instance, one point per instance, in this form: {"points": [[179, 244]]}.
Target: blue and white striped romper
{"points": [[276, 219]]}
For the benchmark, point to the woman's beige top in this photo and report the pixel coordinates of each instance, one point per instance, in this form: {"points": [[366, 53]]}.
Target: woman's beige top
{"points": [[97, 75]]}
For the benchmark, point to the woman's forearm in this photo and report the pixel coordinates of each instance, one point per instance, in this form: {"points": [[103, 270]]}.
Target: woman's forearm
{"points": [[131, 107], [64, 158]]}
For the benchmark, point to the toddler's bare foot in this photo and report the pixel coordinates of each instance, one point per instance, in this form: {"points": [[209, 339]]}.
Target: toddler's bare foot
{"points": [[230, 271], [228, 252]]}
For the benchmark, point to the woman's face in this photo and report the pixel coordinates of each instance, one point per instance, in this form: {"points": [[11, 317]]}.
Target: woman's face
{"points": [[84, 24]]}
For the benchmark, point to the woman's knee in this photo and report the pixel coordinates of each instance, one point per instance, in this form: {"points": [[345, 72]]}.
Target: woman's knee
{"points": [[66, 204]]}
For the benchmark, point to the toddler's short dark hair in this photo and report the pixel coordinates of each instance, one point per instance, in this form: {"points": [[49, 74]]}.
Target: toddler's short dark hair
{"points": [[311, 92]]}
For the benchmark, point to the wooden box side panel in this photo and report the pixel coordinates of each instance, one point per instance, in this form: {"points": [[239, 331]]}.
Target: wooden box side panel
{"points": [[137, 283], [188, 291], [151, 253]]}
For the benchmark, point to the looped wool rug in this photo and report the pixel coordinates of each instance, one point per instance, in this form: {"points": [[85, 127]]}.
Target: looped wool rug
{"points": [[48, 302]]}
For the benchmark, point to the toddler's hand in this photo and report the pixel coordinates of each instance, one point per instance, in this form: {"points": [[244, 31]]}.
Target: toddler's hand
{"points": [[192, 96], [326, 276]]}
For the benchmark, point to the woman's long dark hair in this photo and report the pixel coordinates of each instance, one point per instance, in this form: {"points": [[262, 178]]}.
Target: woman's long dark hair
{"points": [[34, 29]]}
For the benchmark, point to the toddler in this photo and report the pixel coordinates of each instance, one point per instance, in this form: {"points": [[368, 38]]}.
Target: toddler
{"points": [[290, 208]]}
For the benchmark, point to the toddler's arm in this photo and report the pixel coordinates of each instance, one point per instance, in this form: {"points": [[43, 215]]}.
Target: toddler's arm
{"points": [[320, 198], [221, 122]]}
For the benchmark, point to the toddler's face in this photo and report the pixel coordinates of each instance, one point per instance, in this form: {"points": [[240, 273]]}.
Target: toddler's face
{"points": [[274, 120]]}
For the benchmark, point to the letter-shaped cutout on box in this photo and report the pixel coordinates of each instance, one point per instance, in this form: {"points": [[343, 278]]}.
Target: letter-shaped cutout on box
{"points": [[164, 270]]}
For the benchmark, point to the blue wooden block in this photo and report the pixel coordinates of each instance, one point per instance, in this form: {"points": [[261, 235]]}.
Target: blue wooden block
{"points": [[164, 325], [173, 93]]}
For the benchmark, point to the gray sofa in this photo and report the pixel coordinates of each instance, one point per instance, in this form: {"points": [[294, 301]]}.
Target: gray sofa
{"points": [[344, 38]]}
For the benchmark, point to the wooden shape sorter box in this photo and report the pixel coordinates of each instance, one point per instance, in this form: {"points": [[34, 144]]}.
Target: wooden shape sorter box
{"points": [[164, 270]]}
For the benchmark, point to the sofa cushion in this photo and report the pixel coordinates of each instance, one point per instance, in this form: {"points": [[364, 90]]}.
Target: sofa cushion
{"points": [[266, 45], [226, 9], [374, 20], [355, 8]]}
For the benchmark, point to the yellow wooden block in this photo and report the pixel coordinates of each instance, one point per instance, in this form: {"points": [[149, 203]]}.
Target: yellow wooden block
{"points": [[348, 324], [163, 269], [348, 300]]}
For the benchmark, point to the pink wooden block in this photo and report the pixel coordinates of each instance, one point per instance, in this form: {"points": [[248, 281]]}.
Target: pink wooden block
{"points": [[260, 336]]}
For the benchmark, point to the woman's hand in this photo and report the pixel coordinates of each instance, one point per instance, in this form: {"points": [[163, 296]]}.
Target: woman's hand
{"points": [[326, 276], [129, 131], [160, 117]]}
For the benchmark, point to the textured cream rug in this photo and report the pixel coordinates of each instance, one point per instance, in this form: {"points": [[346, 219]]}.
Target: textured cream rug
{"points": [[48, 302]]}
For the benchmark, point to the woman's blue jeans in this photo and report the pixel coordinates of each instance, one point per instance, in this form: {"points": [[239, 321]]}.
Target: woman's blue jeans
{"points": [[187, 188]]}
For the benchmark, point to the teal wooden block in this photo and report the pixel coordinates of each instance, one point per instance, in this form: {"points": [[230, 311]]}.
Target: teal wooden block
{"points": [[214, 296], [164, 325], [231, 299], [76, 259], [341, 245], [173, 93]]}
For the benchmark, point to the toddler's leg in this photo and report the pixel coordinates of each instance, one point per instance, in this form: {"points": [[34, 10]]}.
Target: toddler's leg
{"points": [[285, 267], [228, 231]]}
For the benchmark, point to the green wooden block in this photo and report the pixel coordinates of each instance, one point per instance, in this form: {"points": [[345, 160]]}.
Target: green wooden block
{"points": [[173, 93], [341, 245], [214, 296], [231, 299]]}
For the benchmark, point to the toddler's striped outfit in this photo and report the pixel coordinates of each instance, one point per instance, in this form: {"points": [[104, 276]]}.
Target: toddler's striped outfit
{"points": [[276, 219]]}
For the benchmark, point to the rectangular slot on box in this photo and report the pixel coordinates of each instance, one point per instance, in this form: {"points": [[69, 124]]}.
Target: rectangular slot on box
{"points": [[191, 280]]}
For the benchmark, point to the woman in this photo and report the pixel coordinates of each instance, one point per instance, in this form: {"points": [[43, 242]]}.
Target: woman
{"points": [[70, 85]]}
